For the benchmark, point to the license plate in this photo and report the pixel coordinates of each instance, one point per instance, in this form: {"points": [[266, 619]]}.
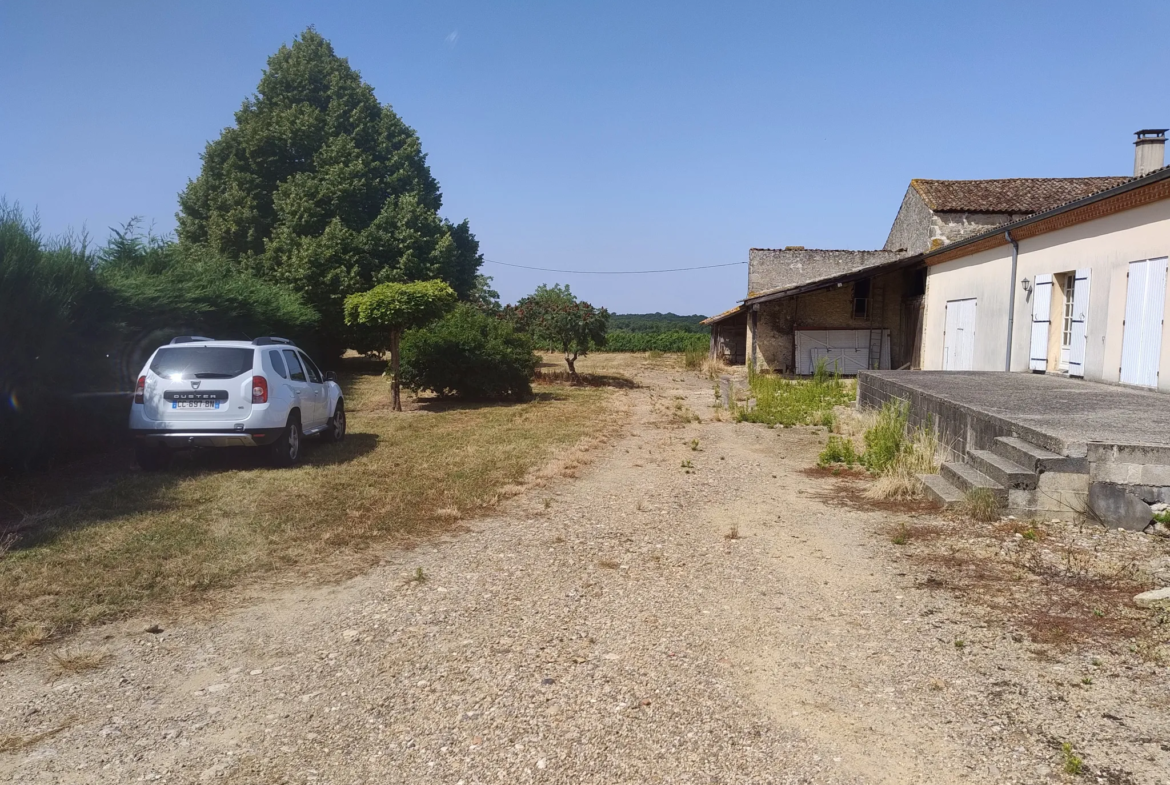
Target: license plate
{"points": [[194, 404]]}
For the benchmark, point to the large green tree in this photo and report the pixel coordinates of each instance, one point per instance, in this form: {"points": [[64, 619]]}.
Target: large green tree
{"points": [[320, 187]]}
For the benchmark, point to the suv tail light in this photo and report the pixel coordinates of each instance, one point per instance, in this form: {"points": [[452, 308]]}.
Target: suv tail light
{"points": [[259, 389], [140, 390]]}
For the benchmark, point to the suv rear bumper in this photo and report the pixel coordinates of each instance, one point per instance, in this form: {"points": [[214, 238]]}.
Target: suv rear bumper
{"points": [[194, 437]]}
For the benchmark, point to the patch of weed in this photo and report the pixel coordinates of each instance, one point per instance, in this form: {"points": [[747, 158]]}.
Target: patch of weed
{"points": [[839, 449], [788, 402], [1072, 763], [981, 505]]}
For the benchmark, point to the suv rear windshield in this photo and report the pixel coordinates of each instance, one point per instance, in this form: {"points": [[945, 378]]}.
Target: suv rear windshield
{"points": [[201, 362]]}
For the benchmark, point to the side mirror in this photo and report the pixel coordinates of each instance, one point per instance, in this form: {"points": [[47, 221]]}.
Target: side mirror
{"points": [[330, 376]]}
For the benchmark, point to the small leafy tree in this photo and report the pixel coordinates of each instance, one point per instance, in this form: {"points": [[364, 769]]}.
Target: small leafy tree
{"points": [[395, 307], [556, 318]]}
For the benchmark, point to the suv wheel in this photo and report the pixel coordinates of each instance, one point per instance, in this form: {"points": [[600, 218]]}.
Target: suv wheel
{"points": [[286, 451], [152, 457], [336, 430]]}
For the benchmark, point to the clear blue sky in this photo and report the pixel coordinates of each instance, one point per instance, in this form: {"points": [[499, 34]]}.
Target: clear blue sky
{"points": [[601, 135]]}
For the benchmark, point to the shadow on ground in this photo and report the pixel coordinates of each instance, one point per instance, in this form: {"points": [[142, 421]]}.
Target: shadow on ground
{"points": [[43, 507]]}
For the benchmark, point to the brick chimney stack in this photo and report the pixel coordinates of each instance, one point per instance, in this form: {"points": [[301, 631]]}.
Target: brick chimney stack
{"points": [[1149, 151]]}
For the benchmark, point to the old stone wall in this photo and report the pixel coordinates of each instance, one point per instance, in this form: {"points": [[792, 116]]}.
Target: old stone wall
{"points": [[952, 227], [826, 309], [770, 269], [911, 230]]}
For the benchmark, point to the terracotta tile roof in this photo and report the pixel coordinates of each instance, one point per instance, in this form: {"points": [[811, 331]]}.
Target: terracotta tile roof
{"points": [[1015, 195]]}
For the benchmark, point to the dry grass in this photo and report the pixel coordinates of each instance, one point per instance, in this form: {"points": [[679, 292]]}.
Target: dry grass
{"points": [[124, 541], [79, 659], [15, 743], [981, 505], [899, 481]]}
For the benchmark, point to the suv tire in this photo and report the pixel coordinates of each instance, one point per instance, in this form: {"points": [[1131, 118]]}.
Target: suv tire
{"points": [[286, 451], [152, 457], [335, 432]]}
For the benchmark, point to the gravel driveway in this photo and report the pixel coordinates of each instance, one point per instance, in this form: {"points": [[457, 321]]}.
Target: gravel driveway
{"points": [[604, 629]]}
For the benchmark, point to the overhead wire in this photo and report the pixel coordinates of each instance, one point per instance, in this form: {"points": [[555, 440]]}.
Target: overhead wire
{"points": [[614, 272]]}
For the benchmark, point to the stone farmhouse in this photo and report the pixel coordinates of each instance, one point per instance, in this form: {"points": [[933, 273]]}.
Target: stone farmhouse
{"points": [[1010, 297], [866, 309]]}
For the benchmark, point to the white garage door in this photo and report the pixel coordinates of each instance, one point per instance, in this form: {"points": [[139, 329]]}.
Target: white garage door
{"points": [[844, 351]]}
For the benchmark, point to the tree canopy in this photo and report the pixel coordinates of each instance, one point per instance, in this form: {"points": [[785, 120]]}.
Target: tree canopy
{"points": [[320, 187], [391, 308], [556, 318]]}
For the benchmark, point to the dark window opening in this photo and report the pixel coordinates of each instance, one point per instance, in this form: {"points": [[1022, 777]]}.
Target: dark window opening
{"points": [[861, 298], [916, 282]]}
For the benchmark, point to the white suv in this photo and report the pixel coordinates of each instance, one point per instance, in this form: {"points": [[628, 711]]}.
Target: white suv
{"points": [[199, 392]]}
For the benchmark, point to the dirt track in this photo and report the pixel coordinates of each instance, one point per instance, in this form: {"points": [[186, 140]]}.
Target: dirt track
{"points": [[605, 629]]}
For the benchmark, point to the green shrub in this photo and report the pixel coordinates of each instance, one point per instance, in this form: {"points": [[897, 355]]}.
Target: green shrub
{"points": [[838, 450], [469, 354], [886, 440]]}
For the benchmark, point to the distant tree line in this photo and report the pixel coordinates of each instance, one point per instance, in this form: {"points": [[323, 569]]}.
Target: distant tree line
{"points": [[657, 323]]}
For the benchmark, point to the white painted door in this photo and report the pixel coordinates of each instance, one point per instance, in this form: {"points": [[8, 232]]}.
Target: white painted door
{"points": [[1145, 302], [1041, 321], [959, 340], [1080, 324]]}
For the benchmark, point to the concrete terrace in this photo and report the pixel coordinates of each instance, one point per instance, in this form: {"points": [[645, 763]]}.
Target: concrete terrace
{"points": [[1061, 414]]}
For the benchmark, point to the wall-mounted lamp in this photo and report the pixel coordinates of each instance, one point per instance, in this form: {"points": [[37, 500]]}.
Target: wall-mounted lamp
{"points": [[1027, 285]]}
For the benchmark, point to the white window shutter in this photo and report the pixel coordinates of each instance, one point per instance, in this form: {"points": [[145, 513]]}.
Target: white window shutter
{"points": [[1080, 322], [1041, 307]]}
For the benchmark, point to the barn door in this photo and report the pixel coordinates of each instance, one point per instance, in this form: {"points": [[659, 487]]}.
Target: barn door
{"points": [[1080, 321], [1041, 320], [959, 337], [1141, 342]]}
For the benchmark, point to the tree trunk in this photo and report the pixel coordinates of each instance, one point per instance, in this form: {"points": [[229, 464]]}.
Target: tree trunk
{"points": [[571, 359], [395, 387]]}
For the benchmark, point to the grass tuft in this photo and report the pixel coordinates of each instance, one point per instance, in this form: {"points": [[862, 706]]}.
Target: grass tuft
{"points": [[981, 505], [79, 659]]}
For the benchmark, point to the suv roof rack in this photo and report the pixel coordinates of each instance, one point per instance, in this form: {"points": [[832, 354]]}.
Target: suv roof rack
{"points": [[268, 340], [190, 339]]}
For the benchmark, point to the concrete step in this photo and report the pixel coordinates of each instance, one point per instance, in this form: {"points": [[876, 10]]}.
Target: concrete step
{"points": [[1037, 459], [1007, 473], [966, 477], [940, 490]]}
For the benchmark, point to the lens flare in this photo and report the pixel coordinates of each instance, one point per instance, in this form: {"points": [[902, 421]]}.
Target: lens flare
{"points": [[13, 401]]}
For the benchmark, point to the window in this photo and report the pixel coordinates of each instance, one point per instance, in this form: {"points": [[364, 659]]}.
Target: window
{"points": [[314, 374], [295, 371], [201, 362], [1066, 325], [861, 299], [278, 364]]}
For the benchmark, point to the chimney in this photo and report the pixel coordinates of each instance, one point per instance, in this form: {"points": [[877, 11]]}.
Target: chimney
{"points": [[1149, 151]]}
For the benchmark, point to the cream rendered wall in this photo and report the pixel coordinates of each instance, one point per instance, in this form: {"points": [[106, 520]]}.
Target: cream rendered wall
{"points": [[983, 276], [1106, 246]]}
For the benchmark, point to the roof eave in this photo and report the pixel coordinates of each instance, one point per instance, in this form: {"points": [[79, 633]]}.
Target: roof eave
{"points": [[827, 283]]}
